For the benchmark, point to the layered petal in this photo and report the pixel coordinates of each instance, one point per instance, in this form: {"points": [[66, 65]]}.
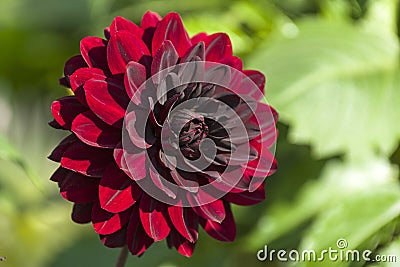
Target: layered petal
{"points": [[247, 198], [124, 47], [82, 213], [122, 24], [185, 222], [257, 77], [199, 37], [58, 152], [93, 50], [171, 28], [135, 75], [78, 188], [117, 192], [94, 132], [107, 100], [137, 239], [105, 222], [73, 64], [78, 79], [153, 215], [136, 163], [115, 240], [165, 57], [65, 110], [218, 47], [213, 211], [224, 231], [85, 159], [181, 244], [150, 20], [149, 24]]}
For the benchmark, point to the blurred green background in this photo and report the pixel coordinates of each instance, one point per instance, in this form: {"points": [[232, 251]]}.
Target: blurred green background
{"points": [[333, 75]]}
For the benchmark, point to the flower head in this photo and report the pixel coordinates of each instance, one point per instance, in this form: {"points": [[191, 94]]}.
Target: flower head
{"points": [[166, 132]]}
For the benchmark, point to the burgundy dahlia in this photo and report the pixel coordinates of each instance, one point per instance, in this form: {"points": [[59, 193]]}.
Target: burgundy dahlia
{"points": [[166, 132]]}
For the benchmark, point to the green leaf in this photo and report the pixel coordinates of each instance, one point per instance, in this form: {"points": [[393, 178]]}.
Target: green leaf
{"points": [[354, 219], [391, 250], [339, 182], [336, 85], [245, 23]]}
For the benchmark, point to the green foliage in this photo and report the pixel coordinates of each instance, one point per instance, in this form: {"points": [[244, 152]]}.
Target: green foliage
{"points": [[331, 83], [10, 153], [332, 70]]}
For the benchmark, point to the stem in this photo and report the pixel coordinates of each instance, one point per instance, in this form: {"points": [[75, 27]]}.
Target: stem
{"points": [[122, 257]]}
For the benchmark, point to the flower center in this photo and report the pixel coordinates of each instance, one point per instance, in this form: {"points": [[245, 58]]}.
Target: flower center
{"points": [[190, 137]]}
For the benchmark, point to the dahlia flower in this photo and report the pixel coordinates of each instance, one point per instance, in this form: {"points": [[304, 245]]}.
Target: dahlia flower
{"points": [[166, 132]]}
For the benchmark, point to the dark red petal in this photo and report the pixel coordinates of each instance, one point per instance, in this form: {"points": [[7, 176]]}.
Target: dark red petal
{"points": [[118, 154], [230, 182], [233, 62], [150, 20], [225, 231], [247, 198], [122, 24], [70, 67], [196, 52], [106, 223], [138, 129], [158, 179], [93, 50], [199, 37], [213, 211], [134, 77], [137, 239], [252, 88], [65, 110], [59, 175], [185, 180], [79, 77], [57, 153], [54, 124], [166, 56], [264, 166], [183, 246], [267, 125], [73, 64], [153, 218], [115, 240], [78, 188], [171, 28], [185, 222], [82, 213], [117, 192], [107, 100], [257, 77], [149, 24], [85, 159], [107, 33], [124, 47], [94, 132], [218, 46], [137, 165]]}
